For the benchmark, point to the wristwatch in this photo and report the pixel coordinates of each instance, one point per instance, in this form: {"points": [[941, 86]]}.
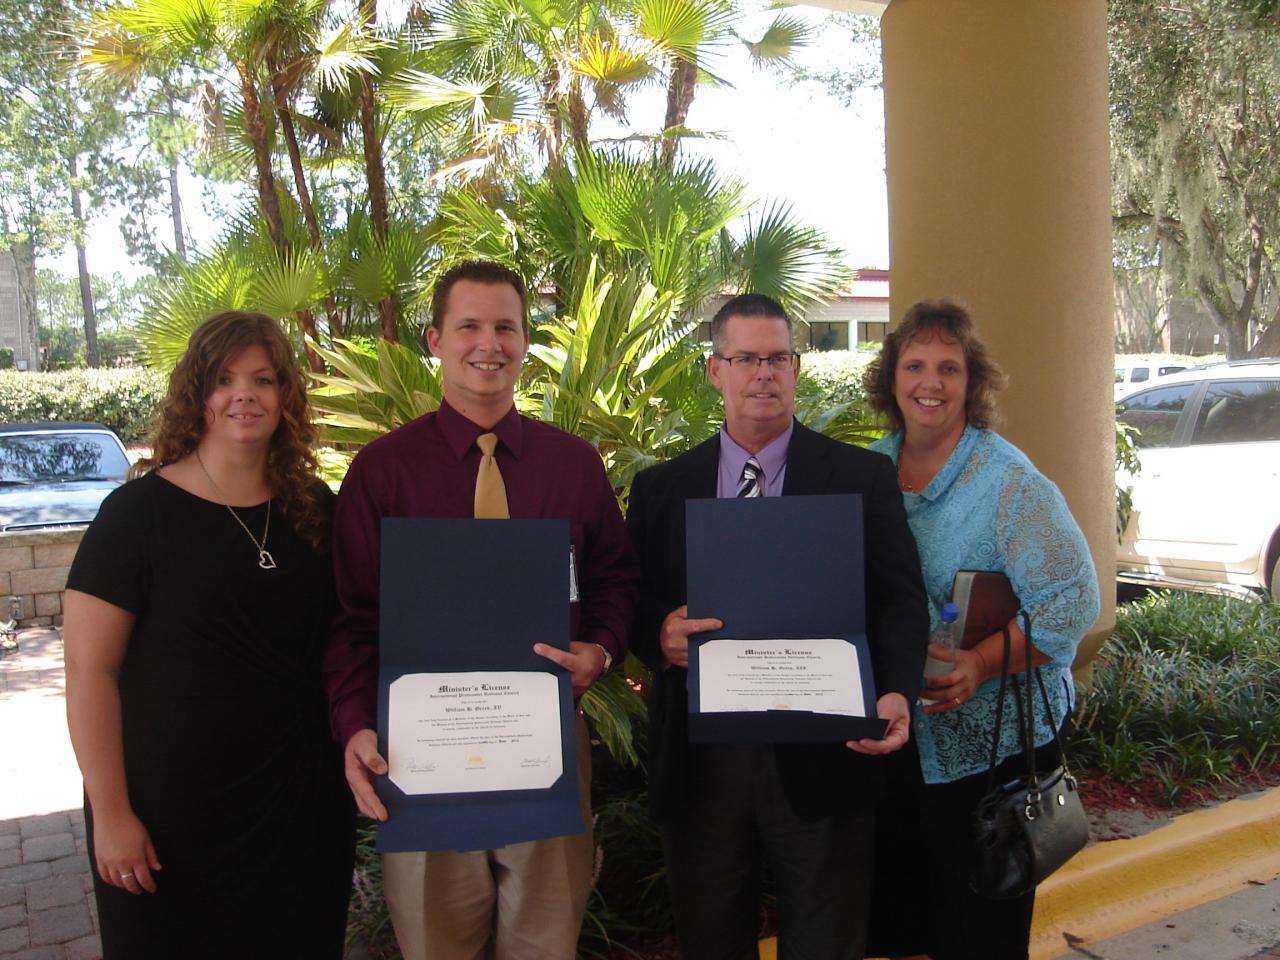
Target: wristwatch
{"points": [[608, 659]]}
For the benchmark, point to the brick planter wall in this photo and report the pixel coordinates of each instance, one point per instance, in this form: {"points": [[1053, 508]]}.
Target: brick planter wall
{"points": [[33, 567]]}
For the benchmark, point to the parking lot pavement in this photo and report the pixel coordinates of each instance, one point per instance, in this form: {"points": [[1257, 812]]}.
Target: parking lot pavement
{"points": [[1244, 926], [46, 901]]}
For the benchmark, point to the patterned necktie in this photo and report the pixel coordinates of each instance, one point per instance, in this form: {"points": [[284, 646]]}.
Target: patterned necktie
{"points": [[491, 492], [749, 485]]}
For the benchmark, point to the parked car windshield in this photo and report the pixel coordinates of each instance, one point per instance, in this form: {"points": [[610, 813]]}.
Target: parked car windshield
{"points": [[32, 457]]}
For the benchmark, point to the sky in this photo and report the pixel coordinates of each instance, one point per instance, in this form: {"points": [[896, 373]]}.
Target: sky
{"points": [[794, 143]]}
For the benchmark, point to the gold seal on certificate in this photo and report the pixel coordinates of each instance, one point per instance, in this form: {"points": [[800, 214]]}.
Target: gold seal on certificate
{"points": [[820, 676], [474, 732]]}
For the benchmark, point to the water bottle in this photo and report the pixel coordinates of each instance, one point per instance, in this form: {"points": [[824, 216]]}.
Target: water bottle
{"points": [[944, 637]]}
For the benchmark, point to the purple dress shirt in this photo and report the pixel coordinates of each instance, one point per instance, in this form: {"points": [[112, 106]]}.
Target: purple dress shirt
{"points": [[427, 468], [772, 459]]}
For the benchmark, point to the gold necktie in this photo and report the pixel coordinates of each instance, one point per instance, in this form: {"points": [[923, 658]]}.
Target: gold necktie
{"points": [[491, 492]]}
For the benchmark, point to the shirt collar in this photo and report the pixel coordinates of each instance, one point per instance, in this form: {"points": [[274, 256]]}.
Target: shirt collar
{"points": [[772, 457], [460, 433], [943, 479]]}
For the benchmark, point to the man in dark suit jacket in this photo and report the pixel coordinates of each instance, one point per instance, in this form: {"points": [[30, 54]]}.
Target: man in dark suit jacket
{"points": [[807, 808]]}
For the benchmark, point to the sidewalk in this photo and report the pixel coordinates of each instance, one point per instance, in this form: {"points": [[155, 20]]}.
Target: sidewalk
{"points": [[46, 900]]}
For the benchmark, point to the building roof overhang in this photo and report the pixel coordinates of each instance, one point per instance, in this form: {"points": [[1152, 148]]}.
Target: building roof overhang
{"points": [[872, 8]]}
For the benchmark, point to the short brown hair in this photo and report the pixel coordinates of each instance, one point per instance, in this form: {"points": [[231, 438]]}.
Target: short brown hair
{"points": [[950, 320], [291, 464], [477, 271], [747, 305]]}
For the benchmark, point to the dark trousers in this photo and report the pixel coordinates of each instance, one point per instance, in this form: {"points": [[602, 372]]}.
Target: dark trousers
{"points": [[921, 901], [736, 817]]}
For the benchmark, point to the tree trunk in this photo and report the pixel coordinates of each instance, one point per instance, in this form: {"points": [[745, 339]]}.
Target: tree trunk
{"points": [[1268, 345], [680, 90], [175, 200], [309, 216], [24, 262], [305, 318], [375, 173], [1229, 320], [257, 132], [175, 206], [82, 265]]}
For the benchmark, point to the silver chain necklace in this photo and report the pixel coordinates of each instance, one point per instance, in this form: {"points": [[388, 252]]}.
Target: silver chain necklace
{"points": [[265, 560]]}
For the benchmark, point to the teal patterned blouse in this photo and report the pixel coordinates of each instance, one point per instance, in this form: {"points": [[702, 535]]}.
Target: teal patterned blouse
{"points": [[989, 508]]}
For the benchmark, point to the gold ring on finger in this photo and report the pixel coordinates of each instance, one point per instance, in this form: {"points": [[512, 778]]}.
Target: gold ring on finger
{"points": [[957, 701]]}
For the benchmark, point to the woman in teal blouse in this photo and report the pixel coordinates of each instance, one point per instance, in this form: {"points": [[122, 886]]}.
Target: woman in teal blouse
{"points": [[974, 502]]}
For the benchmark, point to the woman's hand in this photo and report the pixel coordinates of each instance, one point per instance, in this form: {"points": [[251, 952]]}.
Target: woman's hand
{"points": [[123, 852], [951, 690]]}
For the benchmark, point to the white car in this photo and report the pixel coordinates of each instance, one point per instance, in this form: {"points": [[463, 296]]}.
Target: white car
{"points": [[57, 474], [1133, 375], [1206, 502]]}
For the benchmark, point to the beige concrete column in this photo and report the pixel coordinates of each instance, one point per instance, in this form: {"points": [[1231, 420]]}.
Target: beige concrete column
{"points": [[999, 184]]}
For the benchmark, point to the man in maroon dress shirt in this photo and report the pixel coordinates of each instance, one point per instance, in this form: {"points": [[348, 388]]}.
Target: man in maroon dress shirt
{"points": [[443, 903]]}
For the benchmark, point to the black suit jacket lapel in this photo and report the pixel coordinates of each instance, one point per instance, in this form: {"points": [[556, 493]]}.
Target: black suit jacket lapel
{"points": [[808, 466], [701, 473]]}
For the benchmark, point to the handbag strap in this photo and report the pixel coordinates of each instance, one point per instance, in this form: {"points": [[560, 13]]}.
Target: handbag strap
{"points": [[1025, 708], [995, 737]]}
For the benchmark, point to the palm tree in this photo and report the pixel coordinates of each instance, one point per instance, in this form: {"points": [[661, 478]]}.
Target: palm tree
{"points": [[501, 70], [688, 30], [269, 47]]}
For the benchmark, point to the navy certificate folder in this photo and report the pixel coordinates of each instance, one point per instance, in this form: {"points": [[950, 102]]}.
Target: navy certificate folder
{"points": [[473, 595], [778, 568]]}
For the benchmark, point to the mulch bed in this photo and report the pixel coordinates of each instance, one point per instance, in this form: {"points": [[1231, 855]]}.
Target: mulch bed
{"points": [[1101, 794]]}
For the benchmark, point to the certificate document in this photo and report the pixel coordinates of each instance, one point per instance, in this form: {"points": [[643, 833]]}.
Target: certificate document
{"points": [[820, 676], [478, 730], [791, 663], [474, 732]]}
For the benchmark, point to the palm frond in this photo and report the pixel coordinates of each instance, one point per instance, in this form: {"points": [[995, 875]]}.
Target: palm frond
{"points": [[344, 51], [780, 40], [292, 283], [610, 62], [779, 257], [681, 26], [614, 707]]}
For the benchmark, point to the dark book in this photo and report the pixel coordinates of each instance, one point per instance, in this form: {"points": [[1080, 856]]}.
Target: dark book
{"points": [[986, 601]]}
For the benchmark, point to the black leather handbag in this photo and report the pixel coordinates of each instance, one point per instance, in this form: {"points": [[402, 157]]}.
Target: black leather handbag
{"points": [[1027, 828]]}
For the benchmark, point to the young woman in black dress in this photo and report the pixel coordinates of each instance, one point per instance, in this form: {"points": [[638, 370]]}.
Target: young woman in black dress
{"points": [[219, 820]]}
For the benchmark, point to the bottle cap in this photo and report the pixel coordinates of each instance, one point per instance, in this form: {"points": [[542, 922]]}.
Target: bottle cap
{"points": [[950, 613]]}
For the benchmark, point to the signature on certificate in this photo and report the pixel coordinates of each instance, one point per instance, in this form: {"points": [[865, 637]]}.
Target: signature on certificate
{"points": [[422, 766], [543, 761]]}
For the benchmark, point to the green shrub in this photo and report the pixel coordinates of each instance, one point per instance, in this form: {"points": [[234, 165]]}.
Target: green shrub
{"points": [[6, 358], [123, 399], [835, 374], [1186, 692]]}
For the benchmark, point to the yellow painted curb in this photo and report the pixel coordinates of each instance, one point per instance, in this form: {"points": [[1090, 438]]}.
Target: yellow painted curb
{"points": [[1120, 885]]}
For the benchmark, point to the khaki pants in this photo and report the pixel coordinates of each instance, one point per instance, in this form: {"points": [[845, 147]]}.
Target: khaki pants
{"points": [[442, 903]]}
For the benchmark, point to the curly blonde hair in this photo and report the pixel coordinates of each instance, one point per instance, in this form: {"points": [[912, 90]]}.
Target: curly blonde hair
{"points": [[180, 425], [950, 320]]}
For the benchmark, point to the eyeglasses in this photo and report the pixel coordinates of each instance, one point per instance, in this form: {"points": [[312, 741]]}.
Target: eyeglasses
{"points": [[750, 361]]}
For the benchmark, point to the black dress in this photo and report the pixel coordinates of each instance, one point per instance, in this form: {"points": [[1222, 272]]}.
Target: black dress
{"points": [[227, 752]]}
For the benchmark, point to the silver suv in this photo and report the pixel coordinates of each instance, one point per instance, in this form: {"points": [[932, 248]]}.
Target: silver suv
{"points": [[1206, 503]]}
